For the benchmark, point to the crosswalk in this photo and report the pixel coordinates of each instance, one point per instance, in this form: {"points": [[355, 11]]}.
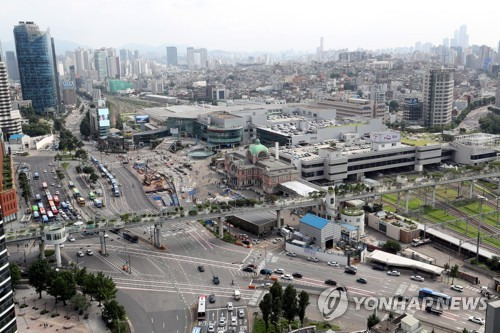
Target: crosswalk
{"points": [[255, 298]]}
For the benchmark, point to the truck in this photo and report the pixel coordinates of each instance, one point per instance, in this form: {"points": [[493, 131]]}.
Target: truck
{"points": [[420, 242], [237, 295], [284, 232], [97, 203]]}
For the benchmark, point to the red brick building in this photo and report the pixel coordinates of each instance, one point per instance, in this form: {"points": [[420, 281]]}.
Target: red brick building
{"points": [[8, 195]]}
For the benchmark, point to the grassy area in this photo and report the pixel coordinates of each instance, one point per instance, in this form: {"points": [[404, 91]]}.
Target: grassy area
{"points": [[414, 203], [491, 186], [447, 193], [439, 215], [489, 215], [65, 165], [390, 208], [259, 326], [418, 142]]}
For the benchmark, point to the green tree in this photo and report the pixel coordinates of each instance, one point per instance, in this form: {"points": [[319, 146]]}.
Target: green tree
{"points": [[88, 169], [290, 300], [15, 274], [372, 320], [302, 305], [57, 124], [38, 275], [80, 302], [81, 153], [114, 311], [276, 292], [266, 305], [62, 285], [393, 106], [392, 246], [119, 122], [80, 276], [89, 286], [106, 288], [85, 127], [454, 272], [94, 177]]}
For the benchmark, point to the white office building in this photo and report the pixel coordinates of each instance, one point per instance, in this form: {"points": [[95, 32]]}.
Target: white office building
{"points": [[438, 96]]}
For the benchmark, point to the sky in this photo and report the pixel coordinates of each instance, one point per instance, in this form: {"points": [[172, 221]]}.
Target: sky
{"points": [[256, 25]]}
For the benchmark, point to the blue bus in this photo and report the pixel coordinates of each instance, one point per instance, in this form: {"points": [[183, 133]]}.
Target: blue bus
{"points": [[45, 219], [36, 215], [439, 297]]}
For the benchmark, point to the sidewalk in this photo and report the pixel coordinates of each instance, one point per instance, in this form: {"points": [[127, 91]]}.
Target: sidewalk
{"points": [[31, 320]]}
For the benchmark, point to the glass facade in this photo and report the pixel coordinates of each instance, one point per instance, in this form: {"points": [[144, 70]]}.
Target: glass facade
{"points": [[224, 137], [36, 66], [7, 307]]}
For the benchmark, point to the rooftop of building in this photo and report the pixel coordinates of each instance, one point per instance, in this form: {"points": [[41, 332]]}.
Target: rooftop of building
{"points": [[314, 221], [291, 129]]}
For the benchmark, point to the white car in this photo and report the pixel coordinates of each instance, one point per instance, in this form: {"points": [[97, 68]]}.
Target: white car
{"points": [[279, 271], [90, 253], [211, 328], [222, 321], [71, 238], [287, 277], [456, 287], [57, 192], [291, 254], [234, 321], [241, 313], [333, 264], [417, 278], [266, 285], [230, 306], [393, 273], [106, 235], [313, 259], [80, 253], [476, 320]]}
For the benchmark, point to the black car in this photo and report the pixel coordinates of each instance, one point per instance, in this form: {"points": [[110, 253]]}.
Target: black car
{"points": [[378, 268], [266, 271], [330, 282], [201, 269], [433, 310], [246, 242], [344, 289], [350, 271], [248, 269], [211, 298], [215, 279], [297, 275], [362, 280]]}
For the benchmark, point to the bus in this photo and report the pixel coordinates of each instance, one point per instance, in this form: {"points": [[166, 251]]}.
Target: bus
{"points": [[97, 203], [196, 329], [36, 216], [54, 210], [49, 198], [56, 200], [50, 215], [201, 307], [131, 238], [45, 219], [34, 208], [81, 201], [44, 185], [36, 176], [42, 211], [439, 297], [91, 195], [71, 185], [76, 193], [51, 203]]}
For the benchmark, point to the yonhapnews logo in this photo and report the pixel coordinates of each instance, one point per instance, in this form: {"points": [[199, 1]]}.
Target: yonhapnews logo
{"points": [[332, 303]]}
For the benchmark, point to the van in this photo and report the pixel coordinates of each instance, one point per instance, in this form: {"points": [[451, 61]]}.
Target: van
{"points": [[237, 295]]}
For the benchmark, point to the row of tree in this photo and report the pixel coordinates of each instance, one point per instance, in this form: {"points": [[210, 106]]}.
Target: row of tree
{"points": [[288, 304], [67, 141], [24, 184], [62, 285]]}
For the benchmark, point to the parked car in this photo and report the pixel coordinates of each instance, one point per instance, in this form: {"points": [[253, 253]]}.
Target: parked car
{"points": [[230, 306], [333, 264], [378, 268], [330, 282], [417, 278], [291, 254], [362, 280], [313, 259], [393, 273]]}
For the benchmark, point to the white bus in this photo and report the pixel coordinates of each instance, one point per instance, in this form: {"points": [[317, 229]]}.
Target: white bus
{"points": [[201, 307]]}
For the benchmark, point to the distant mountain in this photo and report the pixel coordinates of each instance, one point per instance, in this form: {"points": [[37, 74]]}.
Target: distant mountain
{"points": [[160, 49], [61, 46]]}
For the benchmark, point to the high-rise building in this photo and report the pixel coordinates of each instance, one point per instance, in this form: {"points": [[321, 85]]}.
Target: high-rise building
{"points": [[8, 213], [201, 60], [190, 57], [492, 324], [10, 122], [36, 65], [438, 96], [100, 60], [79, 62], [497, 96], [11, 61], [123, 55], [172, 56], [113, 65]]}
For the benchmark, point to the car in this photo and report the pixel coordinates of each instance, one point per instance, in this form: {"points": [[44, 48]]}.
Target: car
{"points": [[333, 264], [275, 241], [433, 310], [266, 271], [291, 254], [58, 186], [89, 252], [230, 306], [45, 170], [52, 184], [247, 269], [330, 282], [378, 268], [71, 238], [279, 271], [106, 235], [222, 321], [288, 277], [211, 298], [215, 279], [362, 280], [351, 271], [476, 320], [456, 287], [201, 268], [246, 242], [234, 321], [417, 278], [252, 266], [241, 313], [210, 328], [297, 275], [80, 253], [341, 288], [266, 284], [313, 259], [402, 298], [393, 273]]}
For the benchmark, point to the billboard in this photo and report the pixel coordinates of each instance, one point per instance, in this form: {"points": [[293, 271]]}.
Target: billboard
{"points": [[383, 137], [411, 101], [142, 119], [103, 116], [174, 131]]}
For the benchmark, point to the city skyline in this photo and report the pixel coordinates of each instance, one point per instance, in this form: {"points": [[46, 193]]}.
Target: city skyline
{"points": [[266, 27]]}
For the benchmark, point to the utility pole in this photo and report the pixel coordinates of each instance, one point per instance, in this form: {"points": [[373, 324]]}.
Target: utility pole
{"points": [[481, 198]]}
